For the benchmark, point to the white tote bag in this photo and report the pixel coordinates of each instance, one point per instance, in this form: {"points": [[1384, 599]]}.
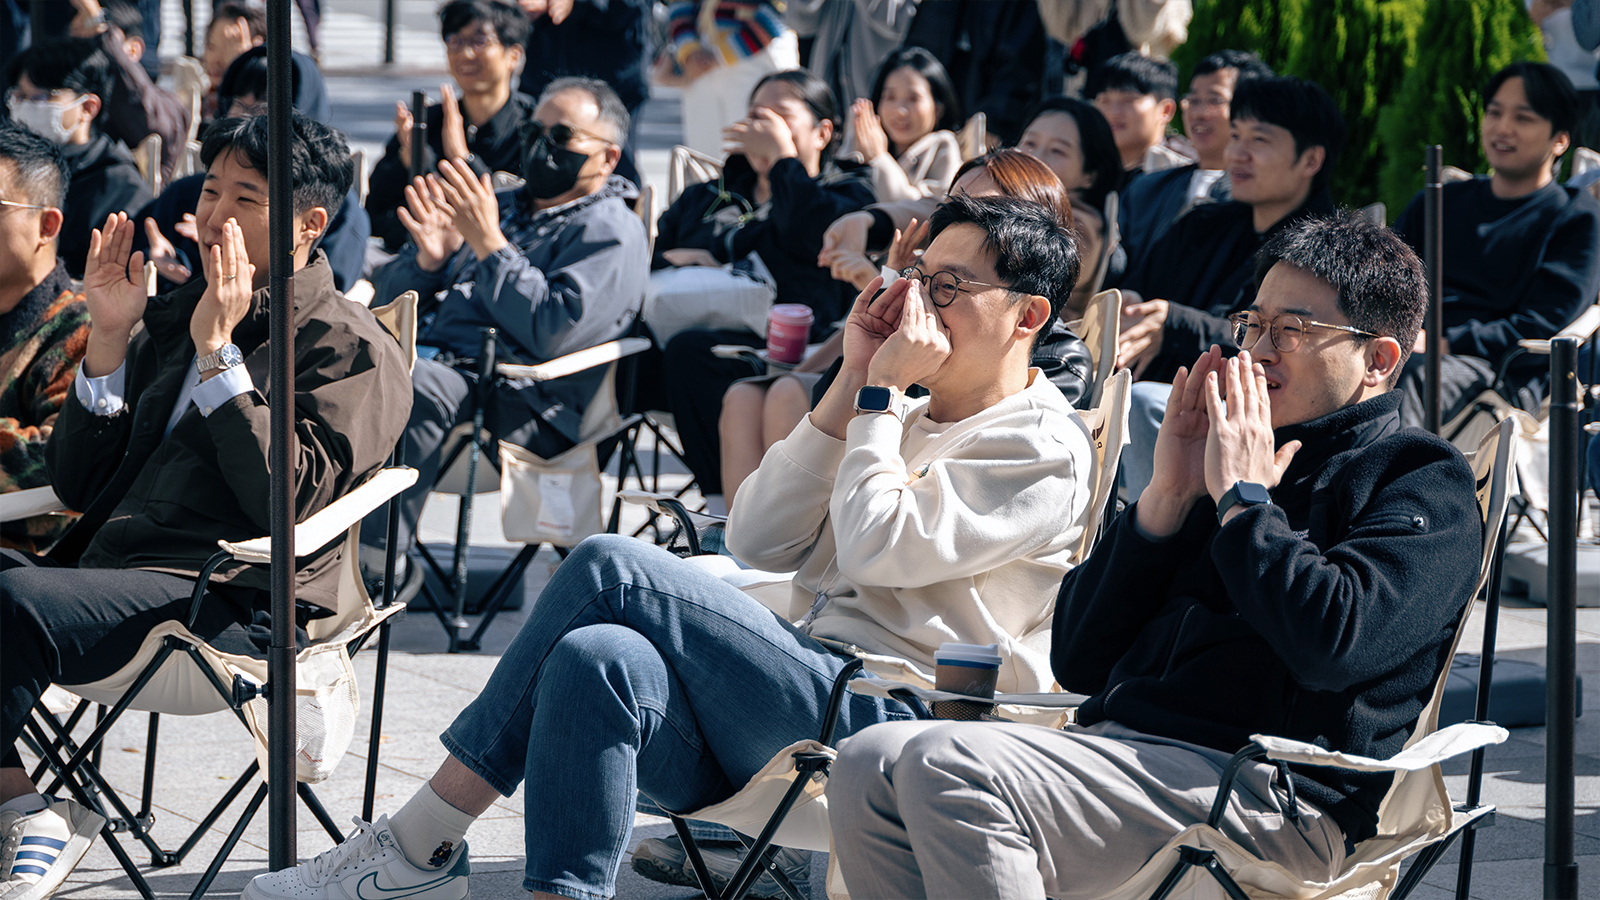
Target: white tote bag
{"points": [[734, 296]]}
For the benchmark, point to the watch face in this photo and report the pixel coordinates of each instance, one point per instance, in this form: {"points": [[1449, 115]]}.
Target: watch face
{"points": [[229, 355], [874, 399], [1250, 492]]}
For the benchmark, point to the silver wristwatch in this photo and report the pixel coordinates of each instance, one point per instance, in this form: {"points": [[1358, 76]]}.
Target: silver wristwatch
{"points": [[226, 357]]}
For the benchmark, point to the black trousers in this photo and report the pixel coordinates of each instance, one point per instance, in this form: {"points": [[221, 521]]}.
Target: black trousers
{"points": [[75, 626], [694, 380]]}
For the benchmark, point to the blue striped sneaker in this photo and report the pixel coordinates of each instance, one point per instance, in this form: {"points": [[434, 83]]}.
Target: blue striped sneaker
{"points": [[39, 849]]}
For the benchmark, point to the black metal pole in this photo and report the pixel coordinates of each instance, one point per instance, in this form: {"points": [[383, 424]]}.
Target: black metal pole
{"points": [[388, 32], [1433, 254], [1561, 624], [280, 455], [188, 27], [419, 131]]}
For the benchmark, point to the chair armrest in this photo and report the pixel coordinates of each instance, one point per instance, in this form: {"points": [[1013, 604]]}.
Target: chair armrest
{"points": [[25, 504], [333, 521], [662, 504], [1443, 744], [572, 363], [1582, 328]]}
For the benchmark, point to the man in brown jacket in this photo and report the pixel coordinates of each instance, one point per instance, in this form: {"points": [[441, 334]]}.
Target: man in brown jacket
{"points": [[164, 449]]}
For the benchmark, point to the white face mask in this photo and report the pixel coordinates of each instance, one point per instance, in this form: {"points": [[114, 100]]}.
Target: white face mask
{"points": [[45, 118]]}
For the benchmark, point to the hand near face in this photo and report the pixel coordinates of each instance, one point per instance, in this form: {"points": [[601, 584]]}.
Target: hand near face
{"points": [[428, 219], [116, 299], [474, 211], [917, 348], [763, 139], [163, 254], [869, 135], [1142, 329], [1240, 446], [873, 319], [229, 284]]}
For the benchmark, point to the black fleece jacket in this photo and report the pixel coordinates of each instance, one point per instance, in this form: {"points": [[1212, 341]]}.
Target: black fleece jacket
{"points": [[1324, 617]]}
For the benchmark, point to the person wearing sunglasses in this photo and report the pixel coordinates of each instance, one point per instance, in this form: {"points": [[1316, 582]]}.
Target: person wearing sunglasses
{"points": [[479, 119], [1298, 567], [556, 266]]}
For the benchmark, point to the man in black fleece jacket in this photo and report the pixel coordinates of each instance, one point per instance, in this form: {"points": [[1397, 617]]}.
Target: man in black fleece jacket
{"points": [[1298, 567]]}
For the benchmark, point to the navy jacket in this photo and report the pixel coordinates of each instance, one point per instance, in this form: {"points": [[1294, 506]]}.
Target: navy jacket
{"points": [[1154, 201], [1324, 617], [604, 39], [570, 278], [104, 181]]}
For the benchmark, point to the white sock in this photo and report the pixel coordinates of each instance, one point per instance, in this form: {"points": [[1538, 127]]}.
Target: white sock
{"points": [[25, 804], [428, 829]]}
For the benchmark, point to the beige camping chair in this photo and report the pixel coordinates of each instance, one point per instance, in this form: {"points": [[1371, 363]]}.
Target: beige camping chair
{"points": [[974, 137], [1113, 239], [190, 83], [176, 673], [147, 157], [686, 167], [1100, 328]]}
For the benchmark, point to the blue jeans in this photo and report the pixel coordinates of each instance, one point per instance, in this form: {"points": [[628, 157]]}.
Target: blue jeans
{"points": [[1147, 406], [637, 672]]}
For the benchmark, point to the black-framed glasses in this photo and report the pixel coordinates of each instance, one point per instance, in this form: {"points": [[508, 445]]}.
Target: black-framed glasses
{"points": [[478, 43], [942, 286], [1286, 330], [560, 134]]}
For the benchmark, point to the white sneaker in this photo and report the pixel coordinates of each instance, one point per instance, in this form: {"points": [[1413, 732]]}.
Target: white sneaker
{"points": [[367, 866], [39, 849]]}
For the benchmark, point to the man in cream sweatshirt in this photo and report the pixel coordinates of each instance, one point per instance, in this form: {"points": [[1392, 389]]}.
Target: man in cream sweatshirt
{"points": [[910, 524]]}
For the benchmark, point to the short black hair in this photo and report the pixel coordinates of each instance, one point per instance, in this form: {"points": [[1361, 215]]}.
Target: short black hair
{"points": [[1033, 254], [1137, 73], [612, 109], [1380, 282], [254, 15], [928, 66], [73, 64], [125, 15], [1550, 93], [1298, 106], [1098, 145], [1248, 64], [815, 94], [509, 22], [246, 76], [319, 160], [40, 171]]}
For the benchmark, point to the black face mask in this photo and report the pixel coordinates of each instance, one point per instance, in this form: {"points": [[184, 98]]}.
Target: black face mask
{"points": [[550, 171]]}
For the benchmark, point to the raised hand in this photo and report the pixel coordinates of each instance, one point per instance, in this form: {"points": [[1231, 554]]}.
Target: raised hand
{"points": [[230, 280], [453, 131], [1241, 446], [427, 218], [870, 138], [402, 131], [474, 211], [1179, 468], [163, 254], [903, 251], [917, 349], [873, 318], [114, 291]]}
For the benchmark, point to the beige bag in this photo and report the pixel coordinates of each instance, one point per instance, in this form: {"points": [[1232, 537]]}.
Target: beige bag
{"points": [[554, 500]]}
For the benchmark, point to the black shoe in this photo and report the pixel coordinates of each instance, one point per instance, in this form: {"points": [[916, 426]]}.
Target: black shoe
{"points": [[409, 576], [664, 860]]}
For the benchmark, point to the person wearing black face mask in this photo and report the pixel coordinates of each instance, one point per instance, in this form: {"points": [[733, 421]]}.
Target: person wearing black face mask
{"points": [[558, 266]]}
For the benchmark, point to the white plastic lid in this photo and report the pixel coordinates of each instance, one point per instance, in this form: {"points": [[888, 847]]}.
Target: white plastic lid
{"points": [[969, 654]]}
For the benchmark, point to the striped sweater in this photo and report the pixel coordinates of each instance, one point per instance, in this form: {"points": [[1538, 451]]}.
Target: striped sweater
{"points": [[730, 30], [42, 340]]}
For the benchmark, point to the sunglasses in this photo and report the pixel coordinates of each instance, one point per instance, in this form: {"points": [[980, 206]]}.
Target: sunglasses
{"points": [[560, 135]]}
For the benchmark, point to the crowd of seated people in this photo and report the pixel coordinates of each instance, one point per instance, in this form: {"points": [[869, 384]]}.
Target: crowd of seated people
{"points": [[934, 472]]}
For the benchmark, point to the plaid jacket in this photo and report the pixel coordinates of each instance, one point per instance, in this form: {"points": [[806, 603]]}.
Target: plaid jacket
{"points": [[42, 341]]}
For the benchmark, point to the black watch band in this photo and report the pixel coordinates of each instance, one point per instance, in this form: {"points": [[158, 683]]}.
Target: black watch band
{"points": [[1243, 493]]}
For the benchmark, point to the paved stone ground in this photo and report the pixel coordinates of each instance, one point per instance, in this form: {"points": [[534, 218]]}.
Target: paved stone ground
{"points": [[427, 687]]}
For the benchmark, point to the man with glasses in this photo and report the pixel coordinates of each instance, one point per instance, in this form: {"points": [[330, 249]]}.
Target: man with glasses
{"points": [[1152, 202], [60, 90], [561, 267], [43, 323], [1298, 568], [483, 42], [911, 524]]}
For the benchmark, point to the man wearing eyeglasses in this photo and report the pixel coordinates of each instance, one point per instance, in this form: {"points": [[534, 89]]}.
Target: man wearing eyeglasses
{"points": [[483, 41], [43, 323], [562, 267], [1298, 568]]}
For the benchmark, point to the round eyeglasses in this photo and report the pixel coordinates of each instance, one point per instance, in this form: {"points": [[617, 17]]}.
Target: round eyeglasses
{"points": [[942, 287], [1286, 330]]}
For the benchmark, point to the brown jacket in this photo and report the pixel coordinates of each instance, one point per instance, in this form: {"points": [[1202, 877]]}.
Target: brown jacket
{"points": [[154, 502]]}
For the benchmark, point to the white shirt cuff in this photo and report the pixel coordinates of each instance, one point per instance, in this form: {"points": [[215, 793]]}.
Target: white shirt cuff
{"points": [[101, 396], [208, 395]]}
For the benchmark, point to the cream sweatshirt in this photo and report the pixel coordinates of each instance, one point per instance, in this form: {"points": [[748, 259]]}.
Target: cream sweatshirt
{"points": [[926, 532]]}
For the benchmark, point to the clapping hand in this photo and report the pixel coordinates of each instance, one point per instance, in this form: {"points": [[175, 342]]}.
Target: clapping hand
{"points": [[869, 136], [427, 218], [1240, 445], [230, 283], [114, 291], [474, 211], [903, 250], [453, 130], [916, 349], [1178, 467]]}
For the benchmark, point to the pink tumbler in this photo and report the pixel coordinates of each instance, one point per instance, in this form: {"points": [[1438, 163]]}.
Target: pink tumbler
{"points": [[788, 326]]}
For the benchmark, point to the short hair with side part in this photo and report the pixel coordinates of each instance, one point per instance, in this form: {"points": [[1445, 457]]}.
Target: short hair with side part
{"points": [[1032, 253], [1380, 282], [612, 110], [319, 160], [1550, 93], [1301, 108], [39, 171], [1137, 74], [509, 22]]}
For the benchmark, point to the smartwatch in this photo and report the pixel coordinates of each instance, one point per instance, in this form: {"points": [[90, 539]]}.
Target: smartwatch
{"points": [[876, 399], [226, 357], [1243, 493]]}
